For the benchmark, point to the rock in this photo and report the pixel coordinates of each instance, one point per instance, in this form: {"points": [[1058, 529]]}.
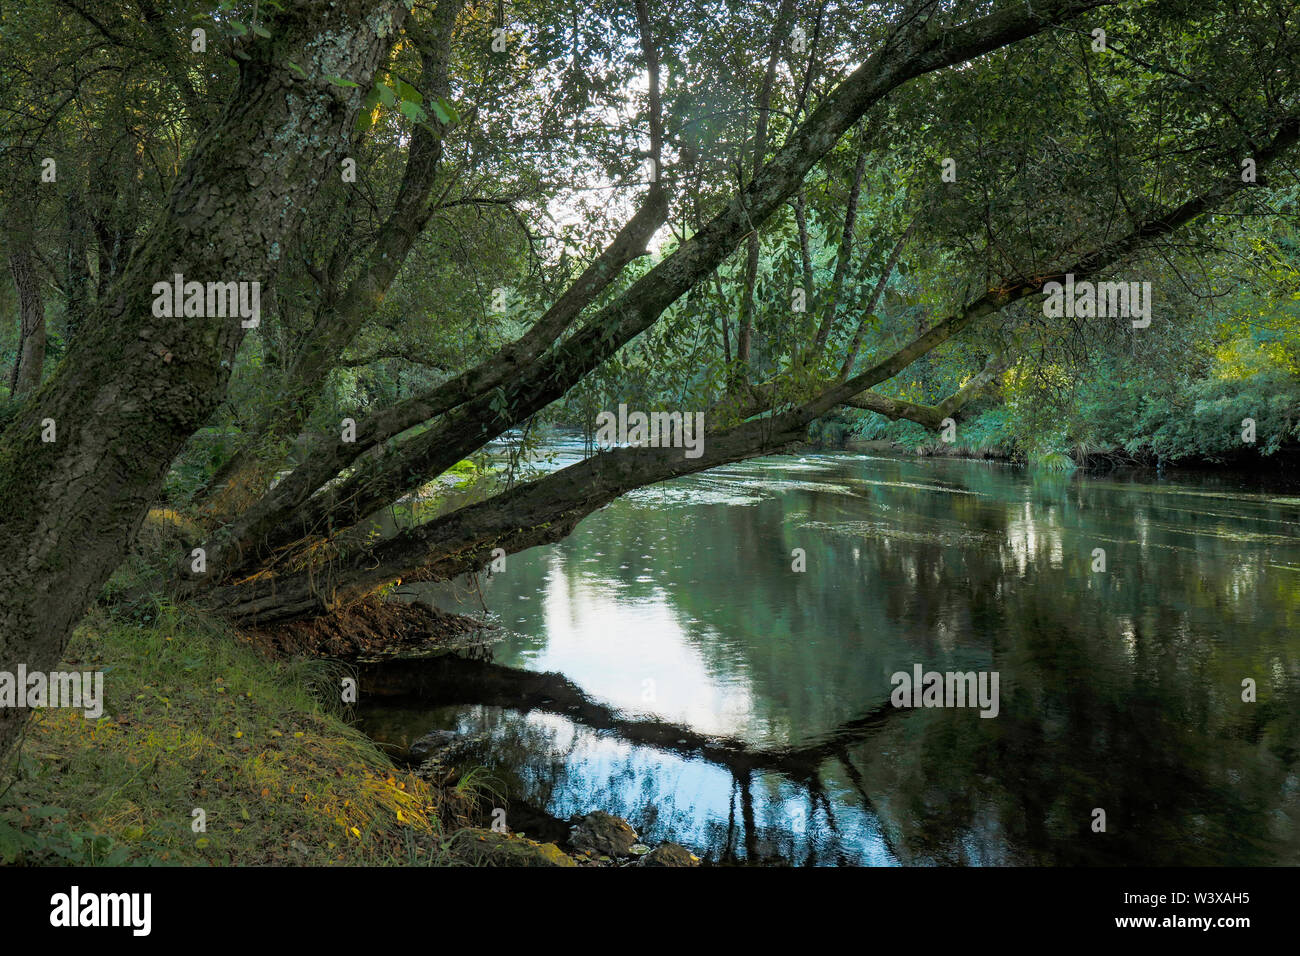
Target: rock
{"points": [[604, 834], [670, 854], [431, 744], [479, 847]]}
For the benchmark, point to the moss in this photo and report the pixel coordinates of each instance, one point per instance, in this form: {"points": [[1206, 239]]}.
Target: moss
{"points": [[479, 847], [196, 719], [167, 530]]}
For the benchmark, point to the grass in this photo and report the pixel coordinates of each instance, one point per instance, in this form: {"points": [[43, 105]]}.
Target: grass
{"points": [[197, 725], [1052, 460]]}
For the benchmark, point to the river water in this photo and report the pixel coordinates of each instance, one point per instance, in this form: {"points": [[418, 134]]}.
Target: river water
{"points": [[743, 708]]}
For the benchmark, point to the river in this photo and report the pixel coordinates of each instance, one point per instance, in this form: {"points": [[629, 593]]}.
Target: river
{"points": [[742, 708]]}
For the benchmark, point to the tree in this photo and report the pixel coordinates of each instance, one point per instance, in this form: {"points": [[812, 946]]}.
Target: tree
{"points": [[260, 198], [136, 386]]}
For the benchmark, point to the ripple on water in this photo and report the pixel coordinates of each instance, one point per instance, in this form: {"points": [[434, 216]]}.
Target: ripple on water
{"points": [[660, 496], [880, 529]]}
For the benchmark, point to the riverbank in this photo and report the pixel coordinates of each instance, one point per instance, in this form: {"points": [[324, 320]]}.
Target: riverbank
{"points": [[223, 748], [1284, 462], [209, 752], [770, 736]]}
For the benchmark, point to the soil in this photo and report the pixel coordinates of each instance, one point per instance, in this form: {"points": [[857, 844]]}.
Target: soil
{"points": [[370, 631]]}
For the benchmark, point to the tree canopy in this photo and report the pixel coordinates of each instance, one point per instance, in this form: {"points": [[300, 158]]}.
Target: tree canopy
{"points": [[469, 219]]}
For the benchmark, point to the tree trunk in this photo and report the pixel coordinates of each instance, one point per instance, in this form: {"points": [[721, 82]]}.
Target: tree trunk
{"points": [[28, 365], [245, 477], [293, 512], [547, 510], [136, 386]]}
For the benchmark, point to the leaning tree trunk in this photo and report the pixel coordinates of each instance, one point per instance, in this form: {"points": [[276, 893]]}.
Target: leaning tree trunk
{"points": [[136, 386], [547, 509], [467, 415]]}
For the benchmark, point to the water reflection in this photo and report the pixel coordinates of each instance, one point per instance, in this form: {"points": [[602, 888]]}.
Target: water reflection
{"points": [[1120, 689]]}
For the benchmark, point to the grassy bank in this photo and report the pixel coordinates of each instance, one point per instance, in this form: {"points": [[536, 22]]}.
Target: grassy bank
{"points": [[196, 719]]}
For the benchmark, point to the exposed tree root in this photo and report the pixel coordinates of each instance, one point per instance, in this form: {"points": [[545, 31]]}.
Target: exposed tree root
{"points": [[369, 631]]}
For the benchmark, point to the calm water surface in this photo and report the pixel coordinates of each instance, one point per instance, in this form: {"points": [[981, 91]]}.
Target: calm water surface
{"points": [[1119, 690]]}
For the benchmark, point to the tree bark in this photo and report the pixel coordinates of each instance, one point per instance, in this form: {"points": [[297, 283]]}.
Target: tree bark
{"points": [[28, 365], [243, 479], [137, 386], [932, 416]]}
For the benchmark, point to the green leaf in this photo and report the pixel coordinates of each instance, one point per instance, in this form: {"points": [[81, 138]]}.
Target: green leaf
{"points": [[262, 31], [386, 95], [445, 112], [408, 93], [413, 111], [339, 81], [297, 69]]}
